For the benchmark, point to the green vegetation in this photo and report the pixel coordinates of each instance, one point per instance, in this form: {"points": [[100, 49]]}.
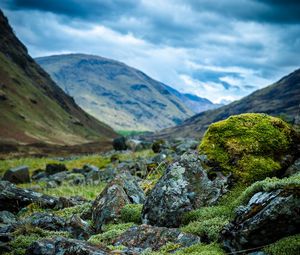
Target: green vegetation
{"points": [[197, 249], [110, 232], [289, 245], [248, 145], [130, 132], [40, 163], [26, 235], [132, 213]]}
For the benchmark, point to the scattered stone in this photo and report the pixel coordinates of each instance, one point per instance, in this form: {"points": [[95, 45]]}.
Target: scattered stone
{"points": [[107, 206], [63, 246], [64, 202], [17, 175], [159, 145], [186, 145], [268, 217], [78, 228], [183, 187], [13, 198], [7, 217], [123, 190], [145, 237], [55, 168], [119, 143], [293, 169], [46, 221], [38, 174]]}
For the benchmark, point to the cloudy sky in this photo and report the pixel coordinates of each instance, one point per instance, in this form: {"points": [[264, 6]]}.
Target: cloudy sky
{"points": [[221, 50]]}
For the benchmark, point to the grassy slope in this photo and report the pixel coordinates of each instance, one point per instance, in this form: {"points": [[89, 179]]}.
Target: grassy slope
{"points": [[33, 107]]}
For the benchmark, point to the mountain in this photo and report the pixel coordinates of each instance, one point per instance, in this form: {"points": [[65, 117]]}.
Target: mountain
{"points": [[280, 99], [33, 108], [122, 96], [193, 102]]}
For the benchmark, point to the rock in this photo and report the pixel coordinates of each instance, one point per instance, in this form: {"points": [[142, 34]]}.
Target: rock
{"points": [[131, 187], [119, 143], [46, 221], [250, 146], [186, 145], [4, 247], [121, 191], [134, 145], [107, 206], [38, 174], [13, 198], [17, 175], [7, 217], [78, 228], [75, 179], [160, 145], [145, 237], [64, 202], [63, 246], [293, 169], [268, 217], [183, 187], [55, 168]]}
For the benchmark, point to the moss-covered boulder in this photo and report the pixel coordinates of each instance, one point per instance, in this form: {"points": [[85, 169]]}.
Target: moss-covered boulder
{"points": [[251, 146]]}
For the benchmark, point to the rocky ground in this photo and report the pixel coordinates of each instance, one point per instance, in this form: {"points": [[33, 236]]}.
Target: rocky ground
{"points": [[235, 192]]}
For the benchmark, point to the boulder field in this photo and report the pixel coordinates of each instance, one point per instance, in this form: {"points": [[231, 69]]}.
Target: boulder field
{"points": [[236, 192]]}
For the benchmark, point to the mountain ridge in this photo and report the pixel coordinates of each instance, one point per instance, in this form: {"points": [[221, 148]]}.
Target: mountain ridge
{"points": [[281, 98], [33, 108], [124, 96]]}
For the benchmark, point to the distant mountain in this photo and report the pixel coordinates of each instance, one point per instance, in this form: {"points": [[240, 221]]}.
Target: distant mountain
{"points": [[122, 96], [280, 99], [193, 102], [33, 109]]}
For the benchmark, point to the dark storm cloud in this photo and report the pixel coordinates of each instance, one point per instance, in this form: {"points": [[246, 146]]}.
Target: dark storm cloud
{"points": [[218, 49], [91, 9]]}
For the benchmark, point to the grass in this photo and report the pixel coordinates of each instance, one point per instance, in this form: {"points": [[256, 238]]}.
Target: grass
{"points": [[40, 163], [88, 191], [130, 132]]}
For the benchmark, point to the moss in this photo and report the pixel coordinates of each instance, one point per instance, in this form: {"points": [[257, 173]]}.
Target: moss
{"points": [[208, 229], [25, 235], [197, 249], [74, 210], [110, 232], [250, 145], [132, 213], [288, 245]]}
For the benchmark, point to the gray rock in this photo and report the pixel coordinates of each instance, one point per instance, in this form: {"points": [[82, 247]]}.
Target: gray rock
{"points": [[121, 191], [55, 168], [149, 237], [293, 169], [17, 175], [46, 221], [78, 228], [107, 206], [119, 143], [183, 187], [13, 198], [63, 246], [186, 145], [7, 217], [268, 217]]}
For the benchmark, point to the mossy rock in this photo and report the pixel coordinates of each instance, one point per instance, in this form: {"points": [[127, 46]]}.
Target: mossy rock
{"points": [[251, 146]]}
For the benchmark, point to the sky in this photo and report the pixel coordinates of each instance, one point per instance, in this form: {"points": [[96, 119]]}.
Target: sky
{"points": [[218, 49]]}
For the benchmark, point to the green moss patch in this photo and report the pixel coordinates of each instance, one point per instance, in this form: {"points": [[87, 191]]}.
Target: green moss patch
{"points": [[110, 232], [288, 245], [132, 213], [250, 146]]}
